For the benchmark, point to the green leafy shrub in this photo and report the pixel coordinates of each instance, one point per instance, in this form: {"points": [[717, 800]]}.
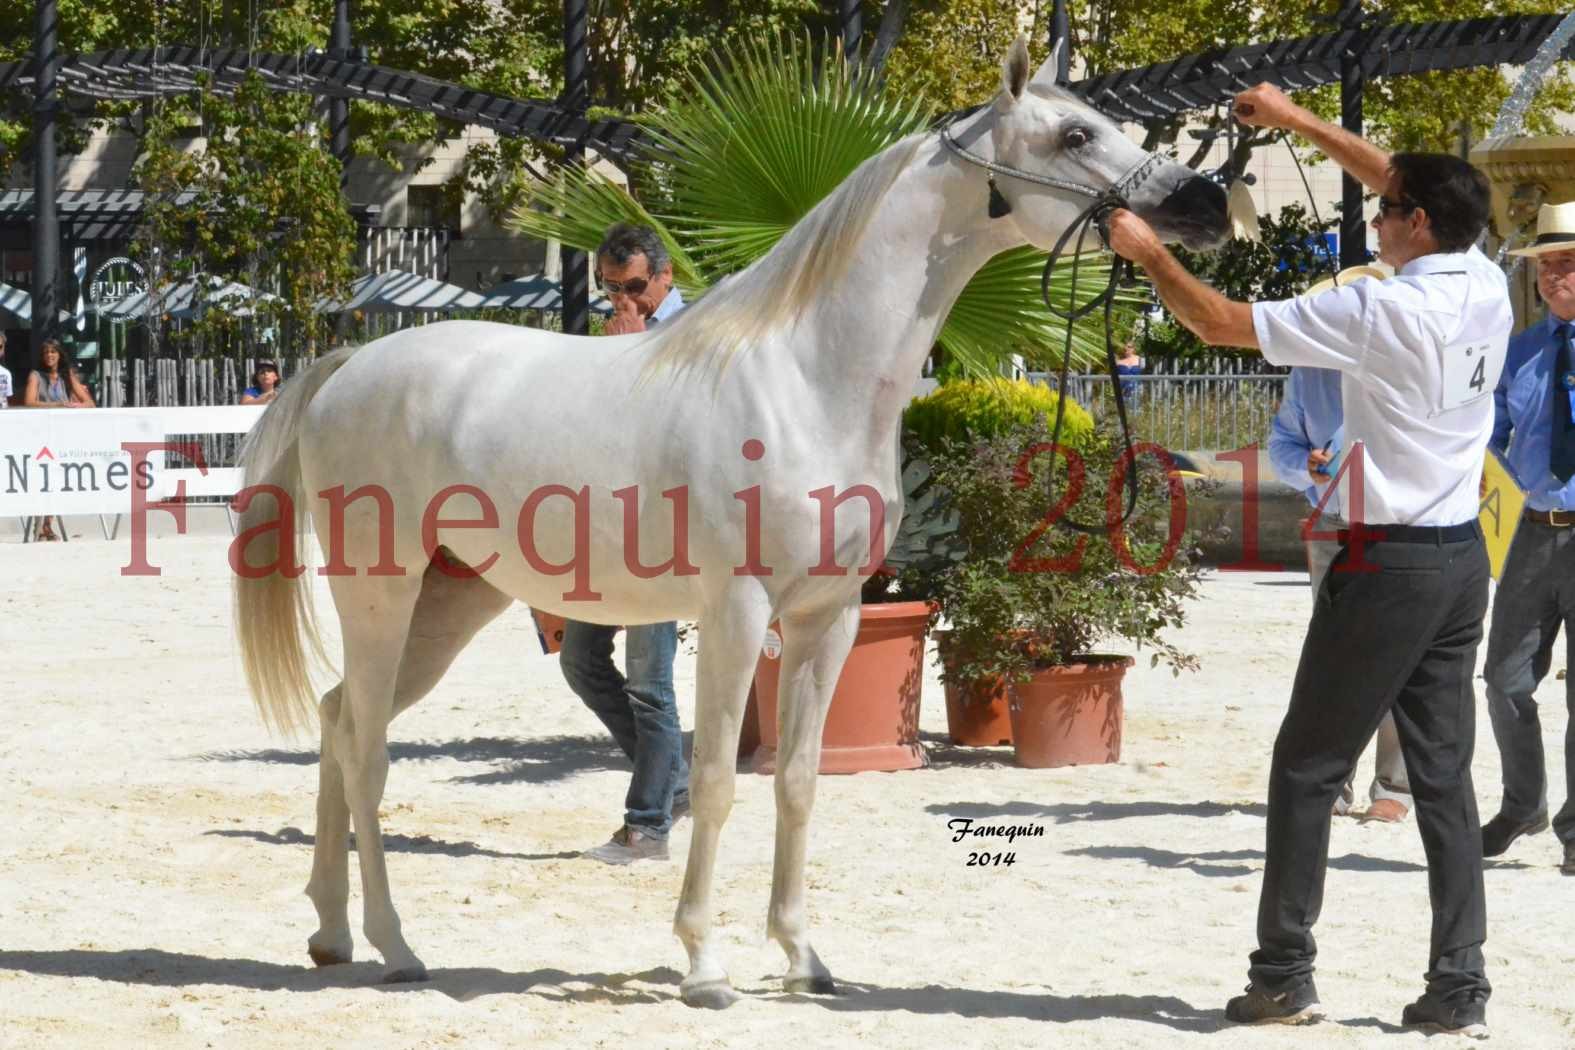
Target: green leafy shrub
{"points": [[975, 409], [1024, 596]]}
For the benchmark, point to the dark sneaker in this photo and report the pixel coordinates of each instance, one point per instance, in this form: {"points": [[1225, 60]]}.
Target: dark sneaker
{"points": [[1498, 833], [1465, 1017], [1299, 1005], [1568, 867], [628, 845], [680, 806]]}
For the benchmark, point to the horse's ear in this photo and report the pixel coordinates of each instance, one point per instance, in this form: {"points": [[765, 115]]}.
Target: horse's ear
{"points": [[1014, 71], [1049, 74]]}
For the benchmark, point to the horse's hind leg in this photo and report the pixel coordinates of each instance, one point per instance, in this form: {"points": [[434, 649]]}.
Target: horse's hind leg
{"points": [[729, 640], [375, 614], [813, 651], [447, 615]]}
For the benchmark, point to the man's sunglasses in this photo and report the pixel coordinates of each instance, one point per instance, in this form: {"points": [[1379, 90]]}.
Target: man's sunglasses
{"points": [[1385, 205], [633, 286]]}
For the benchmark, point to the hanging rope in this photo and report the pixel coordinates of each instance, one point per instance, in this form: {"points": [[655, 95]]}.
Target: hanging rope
{"points": [[1096, 215]]}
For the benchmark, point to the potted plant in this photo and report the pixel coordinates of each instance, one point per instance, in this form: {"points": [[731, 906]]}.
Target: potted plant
{"points": [[962, 412], [1031, 599]]}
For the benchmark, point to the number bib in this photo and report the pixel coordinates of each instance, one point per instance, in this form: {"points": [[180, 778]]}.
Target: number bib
{"points": [[1465, 375]]}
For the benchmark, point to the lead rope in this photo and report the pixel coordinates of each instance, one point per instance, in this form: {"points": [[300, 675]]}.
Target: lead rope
{"points": [[1095, 215]]}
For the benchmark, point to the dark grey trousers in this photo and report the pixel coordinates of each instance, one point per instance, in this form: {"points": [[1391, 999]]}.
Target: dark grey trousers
{"points": [[1535, 598], [1403, 639]]}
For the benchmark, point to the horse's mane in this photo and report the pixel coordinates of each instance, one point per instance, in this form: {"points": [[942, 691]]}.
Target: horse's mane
{"points": [[809, 260]]}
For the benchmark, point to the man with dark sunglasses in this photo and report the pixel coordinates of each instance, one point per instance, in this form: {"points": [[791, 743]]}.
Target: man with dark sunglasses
{"points": [[1399, 615], [634, 269], [638, 706]]}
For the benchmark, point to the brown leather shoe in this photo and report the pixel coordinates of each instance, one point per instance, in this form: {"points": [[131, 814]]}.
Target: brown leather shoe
{"points": [[1386, 811]]}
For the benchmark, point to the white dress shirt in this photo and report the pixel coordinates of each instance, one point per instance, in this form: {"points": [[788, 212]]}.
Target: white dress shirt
{"points": [[1420, 355]]}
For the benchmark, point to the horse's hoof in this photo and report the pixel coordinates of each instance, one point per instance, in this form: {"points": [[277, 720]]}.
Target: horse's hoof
{"points": [[711, 995], [811, 986], [409, 975], [327, 957]]}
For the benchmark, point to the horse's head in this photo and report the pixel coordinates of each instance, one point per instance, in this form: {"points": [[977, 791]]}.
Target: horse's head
{"points": [[1043, 130]]}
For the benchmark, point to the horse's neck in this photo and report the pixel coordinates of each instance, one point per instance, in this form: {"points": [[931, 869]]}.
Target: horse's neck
{"points": [[928, 237]]}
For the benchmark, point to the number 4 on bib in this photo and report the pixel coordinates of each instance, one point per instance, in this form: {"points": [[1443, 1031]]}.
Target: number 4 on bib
{"points": [[1465, 376]]}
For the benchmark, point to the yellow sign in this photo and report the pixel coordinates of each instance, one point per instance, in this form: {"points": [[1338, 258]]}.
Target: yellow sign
{"points": [[1502, 504]]}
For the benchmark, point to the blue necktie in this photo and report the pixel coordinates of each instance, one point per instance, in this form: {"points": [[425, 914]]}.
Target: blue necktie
{"points": [[1561, 438]]}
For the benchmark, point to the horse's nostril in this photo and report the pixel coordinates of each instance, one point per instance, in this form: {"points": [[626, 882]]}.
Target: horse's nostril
{"points": [[1199, 199]]}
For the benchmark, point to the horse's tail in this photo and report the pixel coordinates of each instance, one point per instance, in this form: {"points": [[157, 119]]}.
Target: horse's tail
{"points": [[274, 620]]}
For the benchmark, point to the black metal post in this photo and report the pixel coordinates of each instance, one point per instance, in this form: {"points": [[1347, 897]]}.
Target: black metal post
{"points": [[850, 21], [46, 221], [1061, 32], [576, 97], [1353, 224], [338, 108]]}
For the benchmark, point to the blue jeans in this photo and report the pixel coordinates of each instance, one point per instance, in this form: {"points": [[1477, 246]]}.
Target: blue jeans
{"points": [[640, 711]]}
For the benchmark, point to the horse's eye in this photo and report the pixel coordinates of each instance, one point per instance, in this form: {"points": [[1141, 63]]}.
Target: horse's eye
{"points": [[1077, 138]]}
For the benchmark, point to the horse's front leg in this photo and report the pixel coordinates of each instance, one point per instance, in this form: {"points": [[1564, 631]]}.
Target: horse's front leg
{"points": [[730, 636], [813, 650]]}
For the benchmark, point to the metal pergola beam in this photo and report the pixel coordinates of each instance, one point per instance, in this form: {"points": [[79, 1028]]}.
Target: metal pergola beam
{"points": [[1147, 95], [137, 73], [1167, 90]]}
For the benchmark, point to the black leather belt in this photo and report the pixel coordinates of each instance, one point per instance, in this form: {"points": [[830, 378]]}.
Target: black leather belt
{"points": [[1559, 519], [1414, 533]]}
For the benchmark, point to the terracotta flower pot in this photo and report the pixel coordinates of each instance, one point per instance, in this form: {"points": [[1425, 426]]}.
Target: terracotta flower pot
{"points": [[873, 723], [1071, 715], [976, 712]]}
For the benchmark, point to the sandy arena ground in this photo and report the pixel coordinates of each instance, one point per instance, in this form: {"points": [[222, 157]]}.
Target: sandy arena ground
{"points": [[157, 843]]}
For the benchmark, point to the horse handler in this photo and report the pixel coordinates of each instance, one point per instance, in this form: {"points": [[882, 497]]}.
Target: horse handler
{"points": [[1399, 615]]}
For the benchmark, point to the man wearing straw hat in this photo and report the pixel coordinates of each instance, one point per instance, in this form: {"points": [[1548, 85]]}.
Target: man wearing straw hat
{"points": [[1399, 615], [1534, 426], [1306, 439]]}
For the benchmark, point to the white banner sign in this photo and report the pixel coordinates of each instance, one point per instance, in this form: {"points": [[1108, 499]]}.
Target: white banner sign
{"points": [[70, 461]]}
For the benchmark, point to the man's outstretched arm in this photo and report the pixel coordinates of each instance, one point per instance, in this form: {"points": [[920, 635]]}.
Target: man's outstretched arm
{"points": [[1266, 106], [1210, 316]]}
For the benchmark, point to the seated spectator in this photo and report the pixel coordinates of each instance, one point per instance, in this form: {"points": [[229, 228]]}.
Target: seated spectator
{"points": [[265, 384], [54, 383]]}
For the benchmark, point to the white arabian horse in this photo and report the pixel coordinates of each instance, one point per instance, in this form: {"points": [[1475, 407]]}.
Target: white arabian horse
{"points": [[588, 459]]}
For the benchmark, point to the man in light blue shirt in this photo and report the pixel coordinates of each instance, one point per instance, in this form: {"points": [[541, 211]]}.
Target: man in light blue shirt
{"points": [[1305, 441], [1535, 429], [638, 706]]}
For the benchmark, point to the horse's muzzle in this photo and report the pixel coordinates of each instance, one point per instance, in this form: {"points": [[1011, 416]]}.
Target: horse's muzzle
{"points": [[1195, 213]]}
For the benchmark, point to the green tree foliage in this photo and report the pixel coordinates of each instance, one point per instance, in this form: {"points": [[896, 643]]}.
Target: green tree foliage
{"points": [[264, 208], [950, 51]]}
